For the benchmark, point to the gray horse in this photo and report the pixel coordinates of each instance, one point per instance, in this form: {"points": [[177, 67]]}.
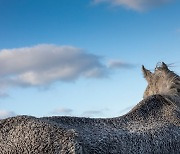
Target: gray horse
{"points": [[152, 126]]}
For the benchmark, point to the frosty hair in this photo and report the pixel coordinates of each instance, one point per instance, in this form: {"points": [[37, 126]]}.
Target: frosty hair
{"points": [[163, 81]]}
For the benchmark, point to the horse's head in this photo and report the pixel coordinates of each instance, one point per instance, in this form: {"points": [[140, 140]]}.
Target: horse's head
{"points": [[162, 81]]}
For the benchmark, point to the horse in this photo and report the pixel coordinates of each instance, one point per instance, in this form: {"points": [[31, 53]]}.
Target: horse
{"points": [[152, 126]]}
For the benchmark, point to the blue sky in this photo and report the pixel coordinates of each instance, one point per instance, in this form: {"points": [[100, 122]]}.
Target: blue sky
{"points": [[82, 58]]}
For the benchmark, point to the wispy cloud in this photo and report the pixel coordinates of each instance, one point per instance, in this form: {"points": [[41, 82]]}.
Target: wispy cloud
{"points": [[62, 111], [4, 95], [94, 113], [5, 114], [138, 5], [71, 112], [117, 64]]}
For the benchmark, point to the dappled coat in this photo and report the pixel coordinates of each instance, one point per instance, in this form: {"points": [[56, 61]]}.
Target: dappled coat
{"points": [[152, 126]]}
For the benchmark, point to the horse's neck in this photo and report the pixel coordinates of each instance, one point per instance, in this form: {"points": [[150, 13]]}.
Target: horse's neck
{"points": [[175, 99]]}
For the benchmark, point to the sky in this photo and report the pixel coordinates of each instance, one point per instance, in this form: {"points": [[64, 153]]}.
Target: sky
{"points": [[82, 58]]}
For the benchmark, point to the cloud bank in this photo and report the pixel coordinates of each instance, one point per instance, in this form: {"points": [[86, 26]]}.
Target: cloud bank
{"points": [[138, 5]]}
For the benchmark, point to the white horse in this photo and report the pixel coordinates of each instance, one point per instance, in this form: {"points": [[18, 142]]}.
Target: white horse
{"points": [[152, 126]]}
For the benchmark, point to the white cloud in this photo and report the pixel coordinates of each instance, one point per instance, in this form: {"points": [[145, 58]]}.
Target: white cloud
{"points": [[62, 111], [5, 114], [43, 64], [95, 113], [138, 5]]}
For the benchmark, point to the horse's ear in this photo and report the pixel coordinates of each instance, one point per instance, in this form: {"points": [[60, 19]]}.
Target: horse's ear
{"points": [[147, 73], [164, 66]]}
